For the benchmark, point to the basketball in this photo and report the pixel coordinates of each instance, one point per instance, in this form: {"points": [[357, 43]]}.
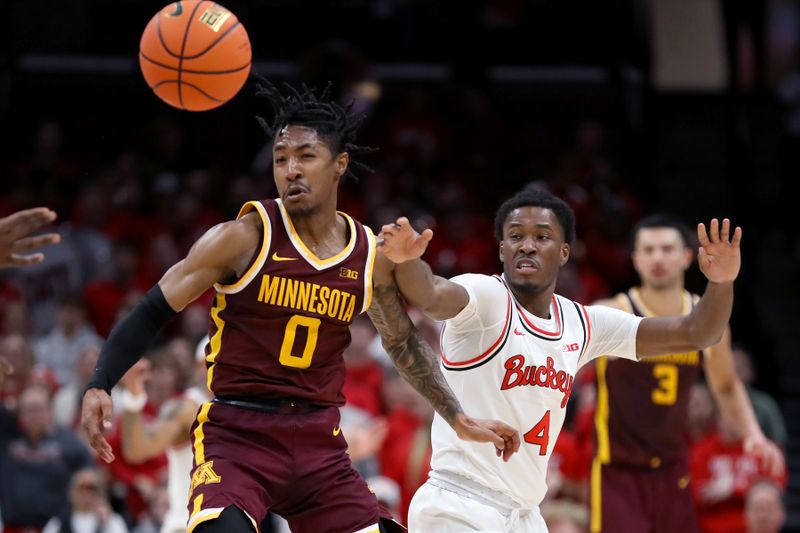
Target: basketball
{"points": [[195, 55]]}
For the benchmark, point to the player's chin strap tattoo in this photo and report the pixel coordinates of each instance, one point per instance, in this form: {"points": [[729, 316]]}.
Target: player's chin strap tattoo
{"points": [[410, 352]]}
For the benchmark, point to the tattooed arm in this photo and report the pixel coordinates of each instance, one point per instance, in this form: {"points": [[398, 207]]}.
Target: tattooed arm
{"points": [[419, 365]]}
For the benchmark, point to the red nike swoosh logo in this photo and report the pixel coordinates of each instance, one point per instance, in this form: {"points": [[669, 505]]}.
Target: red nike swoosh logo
{"points": [[518, 332]]}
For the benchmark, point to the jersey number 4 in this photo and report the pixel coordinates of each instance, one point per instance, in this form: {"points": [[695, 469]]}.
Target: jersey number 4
{"points": [[299, 361], [539, 434]]}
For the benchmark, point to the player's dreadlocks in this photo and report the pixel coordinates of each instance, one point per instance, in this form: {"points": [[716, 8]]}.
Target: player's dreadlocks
{"points": [[336, 124]]}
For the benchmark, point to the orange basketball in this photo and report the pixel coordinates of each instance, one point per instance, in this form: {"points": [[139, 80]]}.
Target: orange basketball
{"points": [[195, 55]]}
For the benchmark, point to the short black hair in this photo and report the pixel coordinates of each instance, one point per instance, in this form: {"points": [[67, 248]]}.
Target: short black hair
{"points": [[534, 196], [663, 220], [336, 124]]}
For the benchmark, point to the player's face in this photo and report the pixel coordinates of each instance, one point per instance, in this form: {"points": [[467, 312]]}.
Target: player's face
{"points": [[532, 249], [305, 171], [660, 257]]}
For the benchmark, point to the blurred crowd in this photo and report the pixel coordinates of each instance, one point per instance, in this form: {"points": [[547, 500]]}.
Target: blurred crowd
{"points": [[128, 215]]}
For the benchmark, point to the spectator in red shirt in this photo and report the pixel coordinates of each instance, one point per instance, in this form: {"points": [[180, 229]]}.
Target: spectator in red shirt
{"points": [[722, 474]]}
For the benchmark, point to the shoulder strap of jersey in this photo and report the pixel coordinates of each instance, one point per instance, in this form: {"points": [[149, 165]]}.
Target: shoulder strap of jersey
{"points": [[259, 259]]}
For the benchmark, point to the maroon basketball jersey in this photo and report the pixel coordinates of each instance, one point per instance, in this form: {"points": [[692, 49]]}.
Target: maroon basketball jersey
{"points": [[642, 406], [279, 331]]}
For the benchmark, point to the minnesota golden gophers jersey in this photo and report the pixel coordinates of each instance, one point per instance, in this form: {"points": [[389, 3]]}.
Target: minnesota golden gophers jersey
{"points": [[279, 331], [642, 407]]}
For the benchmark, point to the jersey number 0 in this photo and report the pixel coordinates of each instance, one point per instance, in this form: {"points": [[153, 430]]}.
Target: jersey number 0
{"points": [[299, 361]]}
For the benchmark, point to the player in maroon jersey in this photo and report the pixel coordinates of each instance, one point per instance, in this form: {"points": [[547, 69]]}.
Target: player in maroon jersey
{"points": [[290, 275], [640, 474]]}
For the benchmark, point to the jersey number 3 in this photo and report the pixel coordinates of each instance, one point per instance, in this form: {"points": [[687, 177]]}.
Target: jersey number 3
{"points": [[299, 361], [539, 434], [667, 391]]}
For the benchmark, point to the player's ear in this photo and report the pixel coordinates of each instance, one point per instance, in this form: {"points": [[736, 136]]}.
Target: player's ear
{"points": [[688, 257], [500, 250], [564, 255], [342, 160]]}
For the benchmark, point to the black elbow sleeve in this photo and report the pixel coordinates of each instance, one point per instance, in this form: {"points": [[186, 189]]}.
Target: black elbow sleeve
{"points": [[130, 339]]}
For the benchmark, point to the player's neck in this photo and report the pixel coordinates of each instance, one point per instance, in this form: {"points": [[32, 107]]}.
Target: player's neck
{"points": [[324, 233], [536, 303], [663, 300]]}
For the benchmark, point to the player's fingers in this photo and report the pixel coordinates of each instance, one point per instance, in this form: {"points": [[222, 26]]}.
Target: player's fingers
{"points": [[725, 231], [702, 256], [778, 463], [702, 234], [25, 222], [515, 440], [402, 221], [737, 236], [427, 235], [5, 367], [509, 450], [713, 230], [30, 243], [27, 259]]}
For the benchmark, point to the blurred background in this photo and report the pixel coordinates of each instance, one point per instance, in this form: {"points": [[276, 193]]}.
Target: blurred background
{"points": [[624, 108]]}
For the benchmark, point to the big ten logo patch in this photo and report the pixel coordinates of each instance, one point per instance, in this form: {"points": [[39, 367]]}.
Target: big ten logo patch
{"points": [[214, 17], [347, 273]]}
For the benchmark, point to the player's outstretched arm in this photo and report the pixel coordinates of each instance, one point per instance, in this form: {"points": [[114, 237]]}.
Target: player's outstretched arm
{"points": [[15, 236], [437, 297], [734, 403], [217, 255], [719, 259], [418, 365]]}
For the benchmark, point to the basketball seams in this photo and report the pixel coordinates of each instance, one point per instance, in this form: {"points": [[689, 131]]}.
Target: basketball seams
{"points": [[161, 37], [214, 43], [190, 71], [188, 84], [183, 49]]}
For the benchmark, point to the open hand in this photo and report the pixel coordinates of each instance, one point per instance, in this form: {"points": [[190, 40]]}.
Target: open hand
{"points": [[96, 420], [15, 231], [719, 256], [400, 242], [504, 437], [768, 454]]}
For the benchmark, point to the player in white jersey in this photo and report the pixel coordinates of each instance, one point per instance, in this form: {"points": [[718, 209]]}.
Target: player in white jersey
{"points": [[170, 434], [511, 348]]}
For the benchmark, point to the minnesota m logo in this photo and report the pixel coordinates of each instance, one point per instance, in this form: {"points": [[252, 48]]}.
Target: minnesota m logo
{"points": [[204, 474]]}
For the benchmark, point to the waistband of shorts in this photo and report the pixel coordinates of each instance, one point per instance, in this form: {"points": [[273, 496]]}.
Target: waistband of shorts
{"points": [[476, 491], [287, 406]]}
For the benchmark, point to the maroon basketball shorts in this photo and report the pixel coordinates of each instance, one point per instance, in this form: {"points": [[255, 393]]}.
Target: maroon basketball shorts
{"points": [[627, 499], [293, 464]]}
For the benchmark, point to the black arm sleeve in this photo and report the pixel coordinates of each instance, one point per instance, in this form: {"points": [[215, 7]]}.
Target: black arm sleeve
{"points": [[130, 339]]}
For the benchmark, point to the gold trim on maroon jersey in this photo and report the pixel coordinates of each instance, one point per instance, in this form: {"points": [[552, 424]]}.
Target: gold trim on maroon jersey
{"points": [[307, 254], [370, 268], [255, 268]]}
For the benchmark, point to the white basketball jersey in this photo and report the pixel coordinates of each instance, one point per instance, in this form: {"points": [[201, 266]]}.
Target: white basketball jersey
{"points": [[504, 363], [179, 468]]}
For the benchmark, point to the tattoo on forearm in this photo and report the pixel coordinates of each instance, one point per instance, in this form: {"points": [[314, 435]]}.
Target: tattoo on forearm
{"points": [[410, 352]]}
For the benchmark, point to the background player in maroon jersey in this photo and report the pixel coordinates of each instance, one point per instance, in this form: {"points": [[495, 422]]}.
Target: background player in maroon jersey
{"points": [[640, 472], [290, 274]]}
